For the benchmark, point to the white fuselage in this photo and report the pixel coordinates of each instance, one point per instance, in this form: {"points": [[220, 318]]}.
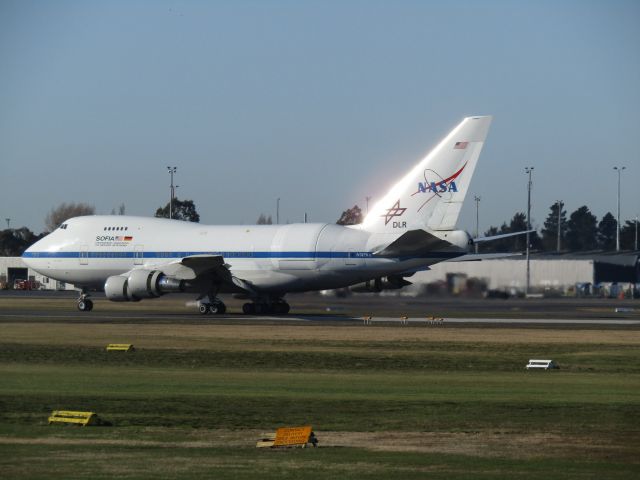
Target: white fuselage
{"points": [[276, 259]]}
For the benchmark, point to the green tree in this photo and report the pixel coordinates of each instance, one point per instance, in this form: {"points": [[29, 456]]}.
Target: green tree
{"points": [[607, 232], [14, 241], [549, 239], [182, 210], [351, 216], [264, 220], [496, 246], [517, 243], [518, 224], [121, 210], [628, 235], [582, 230]]}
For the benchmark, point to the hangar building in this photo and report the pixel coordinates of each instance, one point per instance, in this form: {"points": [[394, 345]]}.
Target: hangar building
{"points": [[560, 272], [13, 269]]}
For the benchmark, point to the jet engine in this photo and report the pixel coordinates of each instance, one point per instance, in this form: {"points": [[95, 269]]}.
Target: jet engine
{"points": [[141, 284], [392, 282]]}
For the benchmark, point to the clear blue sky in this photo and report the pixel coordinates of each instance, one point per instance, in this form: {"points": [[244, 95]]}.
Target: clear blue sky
{"points": [[319, 103]]}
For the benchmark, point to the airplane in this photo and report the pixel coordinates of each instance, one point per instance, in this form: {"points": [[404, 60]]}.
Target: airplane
{"points": [[410, 228]]}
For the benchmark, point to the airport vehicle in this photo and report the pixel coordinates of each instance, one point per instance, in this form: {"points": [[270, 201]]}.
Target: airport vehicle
{"points": [[410, 228], [21, 284]]}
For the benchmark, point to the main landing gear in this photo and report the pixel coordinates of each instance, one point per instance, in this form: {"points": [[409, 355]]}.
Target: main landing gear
{"points": [[85, 304], [279, 307], [216, 307]]}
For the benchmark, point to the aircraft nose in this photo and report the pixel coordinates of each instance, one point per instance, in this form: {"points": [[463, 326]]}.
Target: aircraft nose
{"points": [[30, 255]]}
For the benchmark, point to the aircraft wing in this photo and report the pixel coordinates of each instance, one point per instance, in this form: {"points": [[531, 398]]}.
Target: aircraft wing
{"points": [[210, 267], [189, 268]]}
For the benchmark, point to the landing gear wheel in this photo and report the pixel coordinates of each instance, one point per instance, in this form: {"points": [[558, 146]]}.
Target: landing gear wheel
{"points": [[248, 308], [216, 308], [85, 305], [282, 308]]}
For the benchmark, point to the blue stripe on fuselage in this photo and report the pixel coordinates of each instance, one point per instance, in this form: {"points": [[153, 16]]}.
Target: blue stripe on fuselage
{"points": [[230, 255]]}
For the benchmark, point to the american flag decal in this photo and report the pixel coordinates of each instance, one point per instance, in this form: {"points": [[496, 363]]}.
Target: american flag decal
{"points": [[460, 145]]}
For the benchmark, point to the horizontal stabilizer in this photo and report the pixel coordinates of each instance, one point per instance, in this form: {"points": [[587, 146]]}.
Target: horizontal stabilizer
{"points": [[502, 235], [413, 243], [477, 257]]}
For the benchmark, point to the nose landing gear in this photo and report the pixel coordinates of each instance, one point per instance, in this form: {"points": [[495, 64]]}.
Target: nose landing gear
{"points": [[85, 304]]}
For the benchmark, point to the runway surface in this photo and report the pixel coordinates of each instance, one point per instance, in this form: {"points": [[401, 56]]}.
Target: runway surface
{"points": [[39, 316], [315, 309]]}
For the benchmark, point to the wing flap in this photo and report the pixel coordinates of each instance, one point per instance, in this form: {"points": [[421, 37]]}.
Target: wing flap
{"points": [[189, 268]]}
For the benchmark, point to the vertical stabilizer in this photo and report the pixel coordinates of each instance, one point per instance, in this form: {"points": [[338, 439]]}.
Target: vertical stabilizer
{"points": [[431, 194]]}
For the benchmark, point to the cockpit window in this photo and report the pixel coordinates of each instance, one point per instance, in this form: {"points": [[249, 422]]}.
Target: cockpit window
{"points": [[63, 226]]}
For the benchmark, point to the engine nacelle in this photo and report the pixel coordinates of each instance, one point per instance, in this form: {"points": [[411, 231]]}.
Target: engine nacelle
{"points": [[370, 286], [392, 282], [115, 288], [141, 284]]}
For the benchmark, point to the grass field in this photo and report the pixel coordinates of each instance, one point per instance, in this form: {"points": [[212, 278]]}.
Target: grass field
{"points": [[385, 401]]}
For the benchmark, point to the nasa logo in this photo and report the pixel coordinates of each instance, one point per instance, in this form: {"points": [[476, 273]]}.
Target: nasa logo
{"points": [[437, 187]]}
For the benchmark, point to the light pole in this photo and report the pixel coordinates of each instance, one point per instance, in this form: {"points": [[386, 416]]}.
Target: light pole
{"points": [[560, 204], [619, 170], [8, 221], [636, 242], [529, 171], [477, 200], [171, 171], [367, 199], [278, 211]]}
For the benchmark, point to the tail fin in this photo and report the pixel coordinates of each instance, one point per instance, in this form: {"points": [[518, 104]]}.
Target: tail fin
{"points": [[431, 194]]}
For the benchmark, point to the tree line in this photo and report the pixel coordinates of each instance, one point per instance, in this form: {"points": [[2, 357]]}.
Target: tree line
{"points": [[580, 232]]}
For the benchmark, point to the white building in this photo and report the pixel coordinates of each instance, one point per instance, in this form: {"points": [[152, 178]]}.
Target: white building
{"points": [[13, 268]]}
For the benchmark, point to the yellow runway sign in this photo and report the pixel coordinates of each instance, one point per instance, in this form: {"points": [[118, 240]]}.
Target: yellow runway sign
{"points": [[78, 418], [120, 347], [292, 436]]}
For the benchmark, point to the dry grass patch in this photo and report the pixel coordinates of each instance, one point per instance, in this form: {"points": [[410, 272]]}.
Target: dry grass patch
{"points": [[485, 444], [225, 336]]}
